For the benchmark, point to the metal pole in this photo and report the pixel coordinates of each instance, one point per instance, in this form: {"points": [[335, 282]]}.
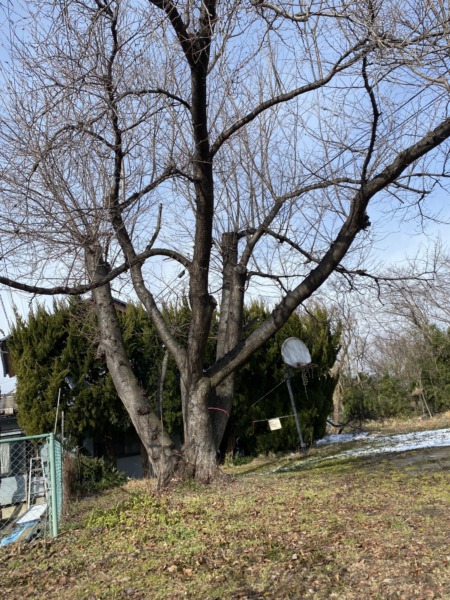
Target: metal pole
{"points": [[57, 410], [294, 409], [54, 504]]}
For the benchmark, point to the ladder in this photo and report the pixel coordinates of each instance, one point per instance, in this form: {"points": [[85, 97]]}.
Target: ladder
{"points": [[37, 482], [29, 524]]}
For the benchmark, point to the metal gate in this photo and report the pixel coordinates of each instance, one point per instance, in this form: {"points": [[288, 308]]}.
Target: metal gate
{"points": [[31, 488]]}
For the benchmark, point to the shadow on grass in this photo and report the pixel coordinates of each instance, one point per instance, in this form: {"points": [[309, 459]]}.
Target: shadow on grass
{"points": [[413, 461]]}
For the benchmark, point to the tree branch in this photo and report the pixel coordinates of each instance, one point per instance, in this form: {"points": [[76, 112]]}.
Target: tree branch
{"points": [[338, 67], [184, 37], [257, 233], [158, 90], [331, 259], [165, 175], [301, 17], [376, 116], [78, 290]]}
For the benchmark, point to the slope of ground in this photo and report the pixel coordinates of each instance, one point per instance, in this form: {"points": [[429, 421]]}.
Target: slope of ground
{"points": [[367, 527]]}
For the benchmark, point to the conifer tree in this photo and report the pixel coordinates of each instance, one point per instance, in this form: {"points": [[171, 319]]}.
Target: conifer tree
{"points": [[55, 353], [313, 390]]}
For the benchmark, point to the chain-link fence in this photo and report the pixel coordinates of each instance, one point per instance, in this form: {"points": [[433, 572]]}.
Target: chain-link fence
{"points": [[31, 487]]}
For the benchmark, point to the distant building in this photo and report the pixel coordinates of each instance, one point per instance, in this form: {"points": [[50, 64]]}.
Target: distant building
{"points": [[8, 406], [8, 416], [7, 364]]}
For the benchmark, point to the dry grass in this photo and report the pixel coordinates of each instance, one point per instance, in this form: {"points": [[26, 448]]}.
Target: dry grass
{"points": [[423, 423], [358, 529]]}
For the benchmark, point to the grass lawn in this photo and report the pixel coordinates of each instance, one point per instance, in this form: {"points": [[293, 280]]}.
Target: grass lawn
{"points": [[352, 530]]}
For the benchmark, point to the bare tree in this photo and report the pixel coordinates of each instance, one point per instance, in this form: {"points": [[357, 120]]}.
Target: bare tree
{"points": [[404, 343], [244, 142], [424, 300]]}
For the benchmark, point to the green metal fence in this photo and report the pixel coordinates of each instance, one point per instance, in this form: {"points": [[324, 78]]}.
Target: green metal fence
{"points": [[31, 487]]}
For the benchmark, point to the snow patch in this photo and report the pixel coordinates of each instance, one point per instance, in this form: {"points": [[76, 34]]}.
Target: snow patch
{"points": [[378, 444], [392, 443]]}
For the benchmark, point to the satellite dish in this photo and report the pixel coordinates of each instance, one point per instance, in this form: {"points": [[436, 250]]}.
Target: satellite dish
{"points": [[295, 353]]}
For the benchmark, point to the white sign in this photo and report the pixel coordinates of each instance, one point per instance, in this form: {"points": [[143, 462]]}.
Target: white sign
{"points": [[274, 424]]}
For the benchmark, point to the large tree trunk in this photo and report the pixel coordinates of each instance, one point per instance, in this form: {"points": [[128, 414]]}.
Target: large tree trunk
{"points": [[157, 442], [199, 450]]}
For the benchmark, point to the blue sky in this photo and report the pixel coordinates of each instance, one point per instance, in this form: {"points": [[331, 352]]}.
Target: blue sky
{"points": [[396, 241], [399, 242]]}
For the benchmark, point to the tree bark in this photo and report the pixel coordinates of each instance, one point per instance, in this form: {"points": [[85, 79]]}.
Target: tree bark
{"points": [[229, 330], [157, 442], [162, 380], [199, 451]]}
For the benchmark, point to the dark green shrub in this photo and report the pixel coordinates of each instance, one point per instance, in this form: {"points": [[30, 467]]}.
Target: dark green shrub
{"points": [[91, 475]]}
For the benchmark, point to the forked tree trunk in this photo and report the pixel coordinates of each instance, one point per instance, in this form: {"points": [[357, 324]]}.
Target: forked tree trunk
{"points": [[157, 442], [198, 458]]}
